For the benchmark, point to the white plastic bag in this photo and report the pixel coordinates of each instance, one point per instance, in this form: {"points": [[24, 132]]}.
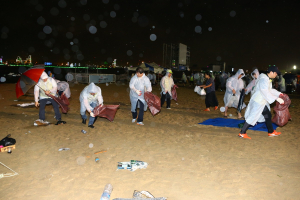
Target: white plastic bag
{"points": [[202, 92], [197, 89]]}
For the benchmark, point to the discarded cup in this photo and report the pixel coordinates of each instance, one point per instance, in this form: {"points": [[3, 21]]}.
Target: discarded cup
{"points": [[97, 160], [9, 150], [63, 149], [83, 131]]}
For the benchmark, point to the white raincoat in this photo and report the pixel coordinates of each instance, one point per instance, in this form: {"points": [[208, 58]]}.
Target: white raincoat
{"points": [[184, 78], [237, 84], [251, 85], [135, 84], [263, 96], [281, 84], [166, 83], [86, 98], [50, 85], [64, 87]]}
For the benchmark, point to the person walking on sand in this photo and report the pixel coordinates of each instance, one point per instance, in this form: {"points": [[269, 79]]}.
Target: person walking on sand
{"points": [[258, 109], [166, 85], [234, 85], [46, 85], [250, 87], [183, 78], [210, 99], [137, 86], [90, 97]]}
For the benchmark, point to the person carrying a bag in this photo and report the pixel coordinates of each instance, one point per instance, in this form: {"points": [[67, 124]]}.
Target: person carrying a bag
{"points": [[210, 99]]}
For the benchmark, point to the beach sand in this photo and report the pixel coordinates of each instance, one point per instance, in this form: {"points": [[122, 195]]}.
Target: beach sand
{"points": [[186, 161]]}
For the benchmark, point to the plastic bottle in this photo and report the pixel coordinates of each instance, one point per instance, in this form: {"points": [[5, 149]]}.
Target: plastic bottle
{"points": [[106, 192]]}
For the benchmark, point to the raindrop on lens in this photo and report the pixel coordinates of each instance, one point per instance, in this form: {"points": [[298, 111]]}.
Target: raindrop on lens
{"points": [[41, 20], [113, 14], [22, 84], [116, 7], [47, 29], [198, 17], [93, 29], [57, 70], [141, 55], [54, 11], [69, 77], [69, 35], [71, 43], [105, 1], [210, 29], [2, 79], [152, 37], [41, 35], [129, 53], [103, 24], [62, 4], [39, 7], [86, 17], [22, 69], [198, 29], [219, 58], [232, 13]]}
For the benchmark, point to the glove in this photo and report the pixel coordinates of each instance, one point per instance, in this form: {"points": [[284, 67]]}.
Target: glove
{"points": [[92, 114], [138, 92], [280, 100]]}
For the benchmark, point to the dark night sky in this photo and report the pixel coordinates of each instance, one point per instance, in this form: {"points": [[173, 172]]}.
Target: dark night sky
{"points": [[245, 34]]}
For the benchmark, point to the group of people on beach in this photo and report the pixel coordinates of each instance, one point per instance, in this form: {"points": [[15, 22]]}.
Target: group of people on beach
{"points": [[258, 109]]}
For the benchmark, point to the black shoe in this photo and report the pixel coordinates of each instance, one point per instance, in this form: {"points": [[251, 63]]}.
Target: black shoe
{"points": [[60, 122], [84, 121], [91, 126]]}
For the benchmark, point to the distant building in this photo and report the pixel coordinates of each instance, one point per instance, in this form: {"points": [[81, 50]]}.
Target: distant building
{"points": [[176, 56], [28, 60]]}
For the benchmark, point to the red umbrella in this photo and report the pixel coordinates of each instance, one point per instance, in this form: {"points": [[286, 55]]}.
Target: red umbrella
{"points": [[28, 79]]}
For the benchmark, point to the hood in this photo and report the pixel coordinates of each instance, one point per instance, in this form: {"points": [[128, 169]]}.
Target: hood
{"points": [[92, 88], [240, 71], [44, 75], [256, 72]]}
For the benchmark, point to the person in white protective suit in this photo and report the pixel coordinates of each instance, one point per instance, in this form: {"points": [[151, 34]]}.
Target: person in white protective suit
{"points": [[281, 83], [166, 85], [63, 88], [258, 109], [46, 85], [138, 85], [234, 85], [250, 87], [90, 97]]}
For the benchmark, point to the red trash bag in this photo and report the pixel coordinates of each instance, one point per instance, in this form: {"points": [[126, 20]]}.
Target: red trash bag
{"points": [[62, 101], [174, 93], [282, 115], [153, 102], [106, 111]]}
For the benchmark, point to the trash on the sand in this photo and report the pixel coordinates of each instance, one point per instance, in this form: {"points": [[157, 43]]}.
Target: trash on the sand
{"points": [[26, 104], [222, 109], [83, 131], [177, 104], [138, 195], [29, 132], [100, 152], [6, 175], [63, 149], [230, 115], [106, 192], [97, 160], [15, 100], [91, 145], [132, 165], [7, 141]]}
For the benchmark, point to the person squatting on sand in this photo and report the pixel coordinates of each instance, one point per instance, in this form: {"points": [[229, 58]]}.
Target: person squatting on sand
{"points": [[210, 99], [258, 109], [137, 89], [166, 85], [234, 85], [63, 88], [46, 85], [90, 97], [250, 87]]}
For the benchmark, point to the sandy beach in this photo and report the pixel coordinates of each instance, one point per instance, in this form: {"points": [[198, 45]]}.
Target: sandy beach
{"points": [[186, 161]]}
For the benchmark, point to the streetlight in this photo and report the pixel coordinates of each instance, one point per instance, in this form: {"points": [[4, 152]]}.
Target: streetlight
{"points": [[295, 67]]}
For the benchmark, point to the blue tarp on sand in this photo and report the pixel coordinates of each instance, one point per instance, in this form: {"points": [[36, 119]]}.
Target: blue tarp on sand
{"points": [[233, 123]]}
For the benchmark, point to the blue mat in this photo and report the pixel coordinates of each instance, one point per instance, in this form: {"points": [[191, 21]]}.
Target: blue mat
{"points": [[233, 123]]}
